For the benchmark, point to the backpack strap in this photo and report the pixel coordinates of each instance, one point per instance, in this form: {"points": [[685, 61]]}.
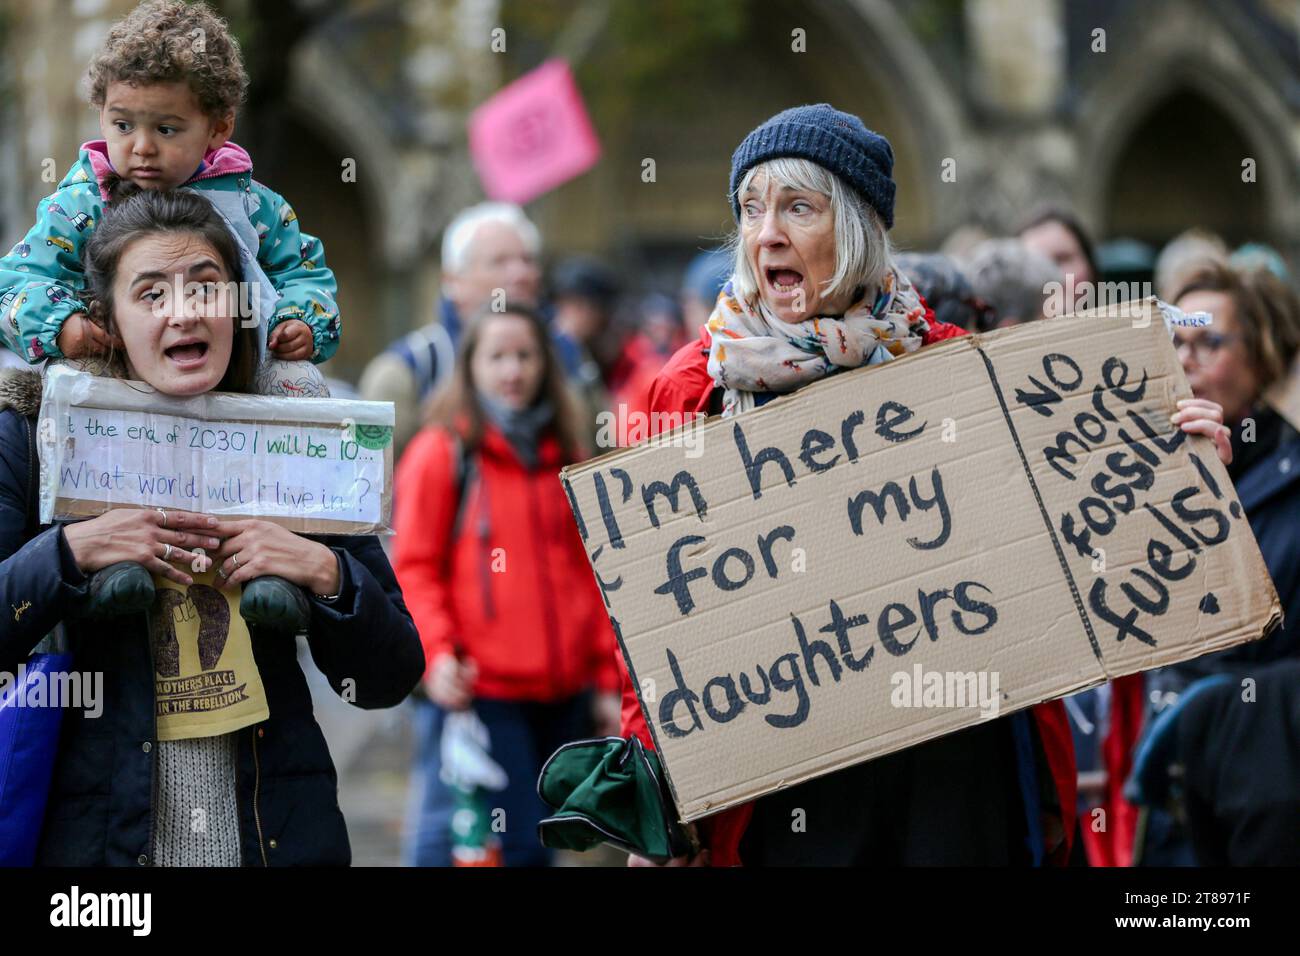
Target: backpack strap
{"points": [[429, 354], [442, 354], [464, 473], [465, 465]]}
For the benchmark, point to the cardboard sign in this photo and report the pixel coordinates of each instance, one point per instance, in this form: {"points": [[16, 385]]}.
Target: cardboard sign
{"points": [[533, 135], [314, 465], [897, 552]]}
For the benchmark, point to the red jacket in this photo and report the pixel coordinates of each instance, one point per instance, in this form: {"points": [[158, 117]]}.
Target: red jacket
{"points": [[1112, 845], [514, 593], [684, 386]]}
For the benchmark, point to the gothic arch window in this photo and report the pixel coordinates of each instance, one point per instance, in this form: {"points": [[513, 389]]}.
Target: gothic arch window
{"points": [[1182, 166]]}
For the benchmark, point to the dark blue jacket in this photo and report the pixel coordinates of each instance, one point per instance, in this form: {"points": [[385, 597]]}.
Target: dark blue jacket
{"points": [[100, 810], [1267, 478]]}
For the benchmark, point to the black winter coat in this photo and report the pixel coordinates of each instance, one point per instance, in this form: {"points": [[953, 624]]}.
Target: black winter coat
{"points": [[1266, 473], [100, 810]]}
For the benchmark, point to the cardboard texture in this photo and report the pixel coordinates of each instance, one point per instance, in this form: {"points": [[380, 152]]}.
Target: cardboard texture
{"points": [[313, 465], [899, 551]]}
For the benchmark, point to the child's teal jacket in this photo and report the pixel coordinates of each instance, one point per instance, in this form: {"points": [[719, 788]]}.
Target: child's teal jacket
{"points": [[42, 280]]}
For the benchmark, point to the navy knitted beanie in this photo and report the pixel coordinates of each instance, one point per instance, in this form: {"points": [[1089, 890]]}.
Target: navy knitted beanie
{"points": [[833, 140]]}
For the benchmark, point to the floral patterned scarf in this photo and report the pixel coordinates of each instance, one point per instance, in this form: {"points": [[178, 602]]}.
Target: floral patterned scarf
{"points": [[754, 351]]}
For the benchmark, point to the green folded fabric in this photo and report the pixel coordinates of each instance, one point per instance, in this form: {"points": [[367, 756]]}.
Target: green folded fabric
{"points": [[609, 790]]}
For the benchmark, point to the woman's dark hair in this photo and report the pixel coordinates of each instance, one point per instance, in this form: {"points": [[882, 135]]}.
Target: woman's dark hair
{"points": [[1072, 225], [135, 213], [942, 283], [456, 406], [1266, 313]]}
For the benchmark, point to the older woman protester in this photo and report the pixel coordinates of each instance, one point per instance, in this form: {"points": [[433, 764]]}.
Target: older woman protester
{"points": [[134, 788], [813, 196]]}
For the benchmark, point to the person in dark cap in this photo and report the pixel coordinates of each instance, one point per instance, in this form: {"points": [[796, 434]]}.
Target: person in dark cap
{"points": [[584, 294], [705, 276]]}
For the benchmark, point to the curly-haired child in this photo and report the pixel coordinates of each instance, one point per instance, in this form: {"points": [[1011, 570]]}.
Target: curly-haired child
{"points": [[167, 83]]}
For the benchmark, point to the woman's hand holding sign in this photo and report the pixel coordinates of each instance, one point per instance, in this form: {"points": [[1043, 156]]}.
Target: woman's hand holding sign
{"points": [[153, 537], [1199, 416], [254, 547]]}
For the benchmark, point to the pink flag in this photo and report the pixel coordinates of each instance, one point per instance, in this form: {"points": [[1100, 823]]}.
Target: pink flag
{"points": [[533, 135]]}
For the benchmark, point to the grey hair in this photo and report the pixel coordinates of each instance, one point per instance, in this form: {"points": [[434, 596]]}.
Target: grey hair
{"points": [[1185, 253], [459, 235], [1014, 279], [863, 254]]}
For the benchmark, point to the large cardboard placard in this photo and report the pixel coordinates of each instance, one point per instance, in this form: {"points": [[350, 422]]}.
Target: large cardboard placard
{"points": [[314, 465], [900, 551]]}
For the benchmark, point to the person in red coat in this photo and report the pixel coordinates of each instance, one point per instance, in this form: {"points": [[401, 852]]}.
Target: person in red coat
{"points": [[495, 576], [815, 292]]}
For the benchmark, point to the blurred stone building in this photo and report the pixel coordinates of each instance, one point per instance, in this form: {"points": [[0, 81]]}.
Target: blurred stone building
{"points": [[1147, 116]]}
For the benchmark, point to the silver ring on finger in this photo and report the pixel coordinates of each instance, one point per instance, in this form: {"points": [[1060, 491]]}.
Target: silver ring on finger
{"points": [[164, 516], [167, 552], [234, 559]]}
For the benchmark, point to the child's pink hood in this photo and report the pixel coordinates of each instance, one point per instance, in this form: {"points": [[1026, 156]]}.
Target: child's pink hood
{"points": [[230, 158]]}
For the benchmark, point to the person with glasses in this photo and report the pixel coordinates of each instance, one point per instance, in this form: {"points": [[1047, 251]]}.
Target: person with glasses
{"points": [[1235, 361]]}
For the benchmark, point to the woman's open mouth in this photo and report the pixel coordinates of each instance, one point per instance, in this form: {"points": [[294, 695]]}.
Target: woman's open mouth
{"points": [[784, 281], [188, 355]]}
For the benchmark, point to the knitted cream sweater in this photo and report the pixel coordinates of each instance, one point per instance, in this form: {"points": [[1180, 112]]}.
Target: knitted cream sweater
{"points": [[196, 821]]}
